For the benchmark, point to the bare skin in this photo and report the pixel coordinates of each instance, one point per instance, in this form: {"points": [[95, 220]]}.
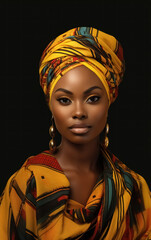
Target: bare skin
{"points": [[86, 104]]}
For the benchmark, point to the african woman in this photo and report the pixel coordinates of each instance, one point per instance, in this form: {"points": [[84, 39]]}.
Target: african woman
{"points": [[77, 189]]}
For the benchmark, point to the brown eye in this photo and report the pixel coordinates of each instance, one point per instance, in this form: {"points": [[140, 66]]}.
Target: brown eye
{"points": [[93, 99], [64, 101]]}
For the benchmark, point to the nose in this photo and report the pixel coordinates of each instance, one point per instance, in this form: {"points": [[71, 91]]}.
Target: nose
{"points": [[79, 111]]}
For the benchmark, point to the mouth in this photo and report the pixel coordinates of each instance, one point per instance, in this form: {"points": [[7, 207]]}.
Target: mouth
{"points": [[80, 128]]}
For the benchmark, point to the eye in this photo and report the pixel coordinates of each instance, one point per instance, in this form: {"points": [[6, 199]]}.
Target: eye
{"points": [[64, 101], [93, 99]]}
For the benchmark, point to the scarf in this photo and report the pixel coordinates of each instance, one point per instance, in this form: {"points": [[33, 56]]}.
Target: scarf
{"points": [[98, 51], [34, 204]]}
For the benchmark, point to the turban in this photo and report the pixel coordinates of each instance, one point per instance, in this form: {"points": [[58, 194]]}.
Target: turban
{"points": [[98, 51]]}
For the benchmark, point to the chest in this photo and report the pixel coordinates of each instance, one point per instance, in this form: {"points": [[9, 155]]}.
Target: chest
{"points": [[81, 185]]}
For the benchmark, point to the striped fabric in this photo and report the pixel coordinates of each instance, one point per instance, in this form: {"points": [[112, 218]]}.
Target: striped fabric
{"points": [[34, 204], [98, 51]]}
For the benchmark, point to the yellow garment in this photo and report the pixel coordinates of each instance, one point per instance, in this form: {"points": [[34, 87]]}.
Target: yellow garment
{"points": [[36, 204], [98, 51], [72, 204]]}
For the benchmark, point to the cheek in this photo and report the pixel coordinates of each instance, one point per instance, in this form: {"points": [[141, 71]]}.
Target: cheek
{"points": [[99, 116], [60, 118]]}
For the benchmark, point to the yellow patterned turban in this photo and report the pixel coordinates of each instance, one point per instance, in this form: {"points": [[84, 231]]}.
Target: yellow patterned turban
{"points": [[98, 51]]}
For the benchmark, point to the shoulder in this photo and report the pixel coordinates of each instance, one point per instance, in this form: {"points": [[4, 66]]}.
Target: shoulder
{"points": [[44, 159], [26, 175], [36, 169], [139, 186], [46, 173], [132, 179]]}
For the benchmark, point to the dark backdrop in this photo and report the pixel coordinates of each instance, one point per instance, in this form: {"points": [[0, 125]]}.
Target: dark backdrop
{"points": [[26, 28]]}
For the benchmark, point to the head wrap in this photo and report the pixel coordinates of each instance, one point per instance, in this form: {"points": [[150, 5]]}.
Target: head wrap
{"points": [[98, 51]]}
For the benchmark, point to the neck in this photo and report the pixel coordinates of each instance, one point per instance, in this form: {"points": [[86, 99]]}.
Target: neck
{"points": [[79, 156]]}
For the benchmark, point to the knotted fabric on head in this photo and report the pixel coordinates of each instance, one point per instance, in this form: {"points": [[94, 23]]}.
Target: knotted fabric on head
{"points": [[98, 51]]}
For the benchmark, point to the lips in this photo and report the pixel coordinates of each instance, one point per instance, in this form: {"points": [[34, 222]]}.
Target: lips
{"points": [[79, 128]]}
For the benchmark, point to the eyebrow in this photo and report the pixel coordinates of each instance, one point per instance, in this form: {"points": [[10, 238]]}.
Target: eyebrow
{"points": [[85, 92]]}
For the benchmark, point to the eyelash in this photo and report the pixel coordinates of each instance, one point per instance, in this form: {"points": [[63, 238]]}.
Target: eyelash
{"points": [[64, 98], [94, 97], [68, 100]]}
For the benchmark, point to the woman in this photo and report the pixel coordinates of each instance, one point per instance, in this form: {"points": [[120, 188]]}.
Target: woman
{"points": [[77, 190]]}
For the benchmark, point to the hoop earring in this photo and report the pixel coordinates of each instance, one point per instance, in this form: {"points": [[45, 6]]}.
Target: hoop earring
{"points": [[52, 144], [106, 140]]}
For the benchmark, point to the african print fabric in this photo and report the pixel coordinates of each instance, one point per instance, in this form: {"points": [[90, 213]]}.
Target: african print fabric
{"points": [[34, 204], [98, 51]]}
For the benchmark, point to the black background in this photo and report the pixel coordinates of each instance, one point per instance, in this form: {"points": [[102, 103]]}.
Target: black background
{"points": [[26, 28]]}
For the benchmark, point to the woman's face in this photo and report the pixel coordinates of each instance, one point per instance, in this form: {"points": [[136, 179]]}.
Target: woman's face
{"points": [[79, 104]]}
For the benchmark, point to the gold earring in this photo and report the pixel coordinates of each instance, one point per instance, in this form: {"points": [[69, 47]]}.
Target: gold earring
{"points": [[106, 140], [52, 144]]}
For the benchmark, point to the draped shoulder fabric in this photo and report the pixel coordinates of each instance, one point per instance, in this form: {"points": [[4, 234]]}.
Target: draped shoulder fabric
{"points": [[98, 51], [36, 204]]}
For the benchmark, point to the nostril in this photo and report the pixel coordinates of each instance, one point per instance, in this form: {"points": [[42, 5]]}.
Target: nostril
{"points": [[79, 117], [83, 117]]}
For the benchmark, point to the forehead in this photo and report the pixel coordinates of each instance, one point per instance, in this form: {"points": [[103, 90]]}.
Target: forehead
{"points": [[79, 78]]}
